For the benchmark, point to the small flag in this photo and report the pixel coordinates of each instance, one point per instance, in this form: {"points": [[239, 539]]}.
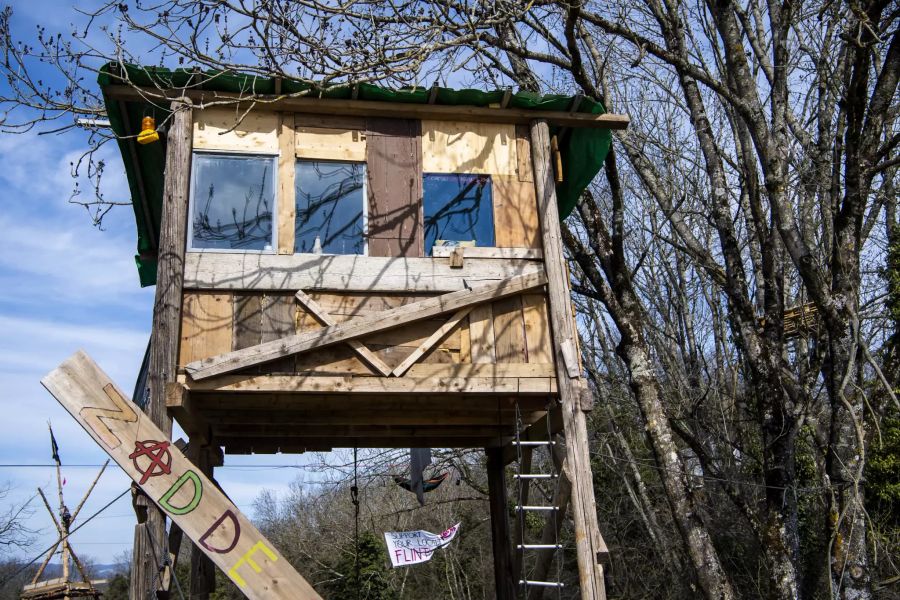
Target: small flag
{"points": [[53, 445]]}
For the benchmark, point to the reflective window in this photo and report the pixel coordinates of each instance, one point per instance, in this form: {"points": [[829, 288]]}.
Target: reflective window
{"points": [[233, 202], [330, 207], [458, 210]]}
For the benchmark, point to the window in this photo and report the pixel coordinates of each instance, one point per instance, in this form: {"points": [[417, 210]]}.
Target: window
{"points": [[458, 209], [330, 204], [233, 202]]}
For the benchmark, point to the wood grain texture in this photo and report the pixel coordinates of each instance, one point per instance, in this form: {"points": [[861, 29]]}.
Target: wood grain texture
{"points": [[364, 353], [509, 330], [324, 384], [189, 498], [165, 334], [206, 325], [489, 252], [431, 342], [394, 185], [311, 272], [538, 341], [424, 309], [459, 147], [247, 320], [322, 143], [287, 203], [218, 128], [523, 154], [515, 213], [588, 541], [481, 334]]}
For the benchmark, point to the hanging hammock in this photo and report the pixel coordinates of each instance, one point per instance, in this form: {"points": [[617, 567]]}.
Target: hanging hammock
{"points": [[428, 484]]}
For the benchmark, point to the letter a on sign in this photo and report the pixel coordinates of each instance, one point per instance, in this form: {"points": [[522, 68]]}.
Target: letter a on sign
{"points": [[168, 478]]}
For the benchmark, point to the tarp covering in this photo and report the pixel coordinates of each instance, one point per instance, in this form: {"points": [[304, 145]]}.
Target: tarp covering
{"points": [[583, 150]]}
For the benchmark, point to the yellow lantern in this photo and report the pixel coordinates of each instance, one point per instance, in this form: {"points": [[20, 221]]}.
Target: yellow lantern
{"points": [[148, 133]]}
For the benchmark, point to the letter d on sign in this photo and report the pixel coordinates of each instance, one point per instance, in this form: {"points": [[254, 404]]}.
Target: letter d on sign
{"points": [[198, 493]]}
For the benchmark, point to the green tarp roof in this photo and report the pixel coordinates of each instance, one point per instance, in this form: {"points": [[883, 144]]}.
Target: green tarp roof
{"points": [[583, 149]]}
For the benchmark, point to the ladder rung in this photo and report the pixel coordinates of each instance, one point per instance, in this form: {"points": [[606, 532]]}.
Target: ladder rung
{"points": [[535, 443], [539, 546], [541, 583], [535, 475], [536, 508]]}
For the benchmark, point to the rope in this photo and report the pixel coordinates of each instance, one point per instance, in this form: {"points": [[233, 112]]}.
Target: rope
{"points": [[354, 497], [61, 539], [161, 566]]}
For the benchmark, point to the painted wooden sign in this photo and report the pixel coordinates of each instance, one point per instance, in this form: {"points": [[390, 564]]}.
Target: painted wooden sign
{"points": [[187, 496]]}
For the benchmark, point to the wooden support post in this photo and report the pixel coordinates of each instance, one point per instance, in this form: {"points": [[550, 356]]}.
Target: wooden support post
{"points": [[503, 564], [589, 544], [150, 538], [203, 570]]}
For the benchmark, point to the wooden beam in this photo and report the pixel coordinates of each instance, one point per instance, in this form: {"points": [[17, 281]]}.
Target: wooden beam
{"points": [[432, 340], [297, 445], [486, 252], [326, 384], [334, 334], [369, 357], [588, 542], [367, 108], [166, 476], [504, 582], [166, 328], [343, 273]]}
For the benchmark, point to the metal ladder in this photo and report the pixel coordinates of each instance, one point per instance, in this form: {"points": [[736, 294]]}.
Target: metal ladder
{"points": [[523, 507]]}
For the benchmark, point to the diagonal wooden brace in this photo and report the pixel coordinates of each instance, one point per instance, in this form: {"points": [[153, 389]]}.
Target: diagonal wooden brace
{"points": [[324, 318], [389, 319]]}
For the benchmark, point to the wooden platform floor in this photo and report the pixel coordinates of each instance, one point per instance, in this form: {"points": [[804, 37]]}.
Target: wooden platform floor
{"points": [[266, 422]]}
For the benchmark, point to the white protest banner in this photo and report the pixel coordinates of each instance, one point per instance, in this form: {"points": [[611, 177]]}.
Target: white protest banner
{"points": [[414, 547]]}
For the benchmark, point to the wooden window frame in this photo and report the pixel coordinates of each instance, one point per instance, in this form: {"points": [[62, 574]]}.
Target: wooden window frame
{"points": [[273, 157]]}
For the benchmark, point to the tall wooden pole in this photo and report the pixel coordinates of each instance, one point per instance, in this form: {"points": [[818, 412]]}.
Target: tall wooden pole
{"points": [[589, 544], [150, 539], [504, 582]]}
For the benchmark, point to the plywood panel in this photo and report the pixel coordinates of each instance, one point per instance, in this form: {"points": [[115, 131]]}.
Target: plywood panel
{"points": [[481, 334], [459, 147], [247, 320], [523, 153], [206, 326], [229, 129], [509, 330], [515, 213], [394, 172], [537, 329], [277, 321], [330, 144], [286, 191]]}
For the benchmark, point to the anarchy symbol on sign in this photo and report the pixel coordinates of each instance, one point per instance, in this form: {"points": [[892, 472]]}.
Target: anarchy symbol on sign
{"points": [[159, 456]]}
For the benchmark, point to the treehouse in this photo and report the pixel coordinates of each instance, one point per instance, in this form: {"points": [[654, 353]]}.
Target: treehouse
{"points": [[364, 268]]}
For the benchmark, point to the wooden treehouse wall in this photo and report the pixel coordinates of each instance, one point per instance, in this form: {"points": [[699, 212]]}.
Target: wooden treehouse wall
{"points": [[235, 301]]}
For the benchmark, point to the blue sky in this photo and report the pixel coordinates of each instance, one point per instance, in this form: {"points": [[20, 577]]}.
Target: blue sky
{"points": [[66, 285]]}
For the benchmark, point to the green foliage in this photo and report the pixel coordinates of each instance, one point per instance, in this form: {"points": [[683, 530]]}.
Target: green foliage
{"points": [[884, 464], [118, 588], [371, 581]]}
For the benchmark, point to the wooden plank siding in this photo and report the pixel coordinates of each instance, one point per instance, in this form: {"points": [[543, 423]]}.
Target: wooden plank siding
{"points": [[394, 184]]}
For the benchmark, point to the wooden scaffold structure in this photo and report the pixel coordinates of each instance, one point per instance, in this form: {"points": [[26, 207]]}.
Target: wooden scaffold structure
{"points": [[64, 587]]}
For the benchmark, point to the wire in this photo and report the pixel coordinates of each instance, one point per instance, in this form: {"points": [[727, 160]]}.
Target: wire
{"points": [[63, 538], [354, 497]]}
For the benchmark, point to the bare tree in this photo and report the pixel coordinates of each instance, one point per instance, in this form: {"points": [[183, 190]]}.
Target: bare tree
{"points": [[759, 176]]}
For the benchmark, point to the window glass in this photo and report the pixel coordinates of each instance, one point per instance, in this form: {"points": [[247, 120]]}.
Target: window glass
{"points": [[234, 199], [458, 209], [330, 207]]}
